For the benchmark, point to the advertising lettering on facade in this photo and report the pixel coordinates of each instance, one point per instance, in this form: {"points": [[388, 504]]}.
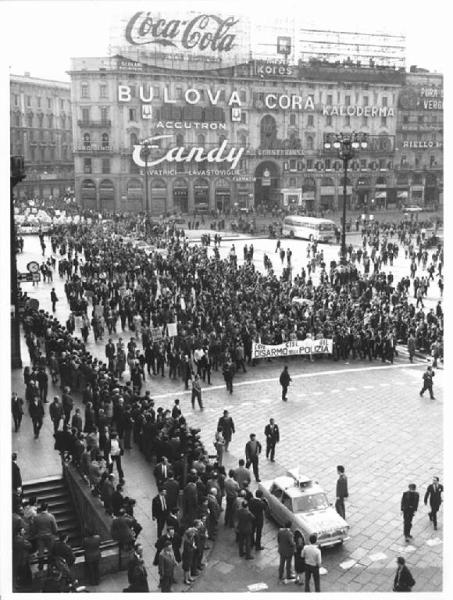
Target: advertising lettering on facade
{"points": [[180, 154], [212, 125], [265, 69], [422, 144], [191, 40], [426, 98], [190, 96], [357, 111]]}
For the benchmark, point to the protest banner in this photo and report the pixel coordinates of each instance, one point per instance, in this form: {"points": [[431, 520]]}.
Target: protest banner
{"points": [[293, 348]]}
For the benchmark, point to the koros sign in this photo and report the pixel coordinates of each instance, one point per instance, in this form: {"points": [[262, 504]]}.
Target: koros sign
{"points": [[180, 154], [204, 33]]}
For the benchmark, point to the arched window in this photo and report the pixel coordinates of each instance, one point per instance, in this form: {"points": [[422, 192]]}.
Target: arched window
{"points": [[105, 140], [310, 142], [180, 139], [200, 139], [222, 138], [243, 140], [86, 141], [134, 139], [268, 132]]}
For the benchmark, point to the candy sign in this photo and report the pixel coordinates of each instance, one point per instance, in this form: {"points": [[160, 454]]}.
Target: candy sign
{"points": [[197, 154]]}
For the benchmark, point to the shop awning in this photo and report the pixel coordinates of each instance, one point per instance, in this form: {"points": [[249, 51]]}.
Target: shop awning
{"points": [[402, 194], [380, 195]]}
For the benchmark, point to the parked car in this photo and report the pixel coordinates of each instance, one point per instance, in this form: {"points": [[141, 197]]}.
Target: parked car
{"points": [[412, 208], [304, 503]]}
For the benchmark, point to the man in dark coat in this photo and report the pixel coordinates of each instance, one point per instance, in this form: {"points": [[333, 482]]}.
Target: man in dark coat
{"points": [[171, 486], [272, 434], [160, 510], [17, 410], [286, 547], [36, 410], [167, 564], [403, 581], [409, 505], [252, 452], [56, 413], [244, 525], [342, 491], [434, 495], [285, 380], [16, 474], [227, 425], [258, 506], [428, 382]]}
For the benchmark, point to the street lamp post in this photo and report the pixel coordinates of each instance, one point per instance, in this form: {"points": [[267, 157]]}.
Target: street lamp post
{"points": [[146, 151], [347, 146]]}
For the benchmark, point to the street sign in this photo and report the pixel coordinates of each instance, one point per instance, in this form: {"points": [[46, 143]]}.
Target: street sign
{"points": [[23, 277], [33, 267]]}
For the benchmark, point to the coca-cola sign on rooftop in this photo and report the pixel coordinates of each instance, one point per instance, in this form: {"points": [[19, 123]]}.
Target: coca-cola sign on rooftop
{"points": [[208, 33]]}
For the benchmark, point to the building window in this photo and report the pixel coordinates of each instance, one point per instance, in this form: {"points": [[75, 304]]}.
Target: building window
{"points": [[156, 91], [293, 164], [132, 114], [405, 119], [292, 182], [28, 101], [309, 163], [329, 120], [38, 100], [16, 99], [17, 119], [63, 121], [49, 102], [179, 93], [201, 140], [84, 92], [30, 135], [243, 96], [104, 114], [420, 119], [417, 162], [243, 141], [85, 115], [432, 161], [105, 140], [347, 121], [86, 141], [201, 92], [52, 153], [403, 160], [363, 163], [133, 167], [105, 165], [382, 163], [329, 99], [347, 100], [61, 104], [365, 101], [133, 139], [383, 121], [310, 121], [327, 163], [50, 121], [243, 117], [310, 142], [87, 167], [64, 153], [292, 119], [222, 96], [32, 154], [384, 101], [30, 119], [43, 154], [103, 90], [364, 121]]}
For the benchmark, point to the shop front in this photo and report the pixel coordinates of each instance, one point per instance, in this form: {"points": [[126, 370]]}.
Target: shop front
{"points": [[201, 195], [158, 201], [88, 194], [363, 193], [223, 200], [267, 185], [181, 196], [431, 191], [134, 196], [308, 194], [327, 194], [107, 195], [291, 198]]}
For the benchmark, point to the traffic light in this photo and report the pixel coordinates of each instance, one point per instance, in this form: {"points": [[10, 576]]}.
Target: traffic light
{"points": [[17, 169]]}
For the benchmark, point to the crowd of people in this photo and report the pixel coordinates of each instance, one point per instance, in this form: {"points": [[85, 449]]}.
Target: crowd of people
{"points": [[218, 308]]}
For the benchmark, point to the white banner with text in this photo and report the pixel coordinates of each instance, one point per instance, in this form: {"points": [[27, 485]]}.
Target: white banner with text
{"points": [[293, 348]]}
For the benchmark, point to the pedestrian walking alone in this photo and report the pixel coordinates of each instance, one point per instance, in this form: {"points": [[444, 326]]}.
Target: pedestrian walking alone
{"points": [[403, 582], [196, 392], [272, 434], [312, 556], [285, 380], [409, 506], [252, 452], [434, 495], [342, 491], [428, 382], [53, 299], [227, 424]]}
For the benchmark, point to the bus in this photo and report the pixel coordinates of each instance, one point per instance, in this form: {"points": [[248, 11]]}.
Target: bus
{"points": [[309, 228]]}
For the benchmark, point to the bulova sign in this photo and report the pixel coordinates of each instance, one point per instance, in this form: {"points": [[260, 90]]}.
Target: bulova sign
{"points": [[208, 33], [182, 154]]}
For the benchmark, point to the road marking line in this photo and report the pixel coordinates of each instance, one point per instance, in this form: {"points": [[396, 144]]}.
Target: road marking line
{"points": [[212, 388]]}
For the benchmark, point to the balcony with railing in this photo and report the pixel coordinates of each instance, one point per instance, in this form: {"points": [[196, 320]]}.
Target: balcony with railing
{"points": [[93, 149], [105, 123]]}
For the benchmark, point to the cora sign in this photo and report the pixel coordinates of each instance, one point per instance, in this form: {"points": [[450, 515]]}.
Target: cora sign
{"points": [[180, 154], [205, 32]]}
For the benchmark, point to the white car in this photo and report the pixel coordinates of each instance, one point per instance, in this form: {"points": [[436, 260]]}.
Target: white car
{"points": [[304, 503]]}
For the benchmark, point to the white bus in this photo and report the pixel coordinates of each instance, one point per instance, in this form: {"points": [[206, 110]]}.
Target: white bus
{"points": [[309, 228]]}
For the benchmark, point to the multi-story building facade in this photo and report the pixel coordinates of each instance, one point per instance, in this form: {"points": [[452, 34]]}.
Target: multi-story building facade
{"points": [[41, 132], [249, 134], [419, 156]]}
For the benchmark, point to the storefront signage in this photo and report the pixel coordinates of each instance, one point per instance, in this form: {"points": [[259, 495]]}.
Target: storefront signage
{"points": [[358, 111], [277, 152], [293, 348], [208, 33], [427, 98], [421, 145], [197, 154], [189, 125], [191, 96], [265, 69], [286, 101]]}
